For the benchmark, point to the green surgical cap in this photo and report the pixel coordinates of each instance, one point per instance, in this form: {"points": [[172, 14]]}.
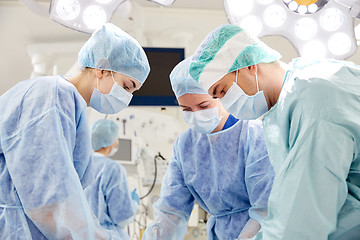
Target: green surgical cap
{"points": [[226, 49], [104, 133], [181, 81]]}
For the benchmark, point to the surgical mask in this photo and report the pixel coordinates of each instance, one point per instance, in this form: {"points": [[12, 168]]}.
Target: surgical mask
{"points": [[202, 121], [113, 151], [117, 99], [243, 106]]}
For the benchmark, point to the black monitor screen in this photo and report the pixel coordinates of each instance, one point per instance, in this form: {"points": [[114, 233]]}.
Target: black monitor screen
{"points": [[156, 90]]}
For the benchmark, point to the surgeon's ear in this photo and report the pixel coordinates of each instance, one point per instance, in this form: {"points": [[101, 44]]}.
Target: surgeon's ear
{"points": [[99, 73], [253, 69]]}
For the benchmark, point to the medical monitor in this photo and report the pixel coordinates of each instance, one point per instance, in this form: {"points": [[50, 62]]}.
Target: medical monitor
{"points": [[125, 152], [156, 90]]}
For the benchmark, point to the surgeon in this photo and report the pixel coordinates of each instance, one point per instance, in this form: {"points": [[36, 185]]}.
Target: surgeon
{"points": [[220, 162], [312, 130], [109, 196], [45, 148]]}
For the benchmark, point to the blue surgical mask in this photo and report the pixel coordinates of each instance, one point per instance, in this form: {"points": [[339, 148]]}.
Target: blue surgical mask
{"points": [[243, 106], [117, 99], [202, 121]]}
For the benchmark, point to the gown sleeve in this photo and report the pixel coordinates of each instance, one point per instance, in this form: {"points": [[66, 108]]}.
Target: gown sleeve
{"points": [[172, 210], [39, 157], [120, 206], [259, 177]]}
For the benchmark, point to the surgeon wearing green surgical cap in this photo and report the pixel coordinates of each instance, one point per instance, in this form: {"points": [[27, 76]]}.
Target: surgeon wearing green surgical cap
{"points": [[311, 124]]}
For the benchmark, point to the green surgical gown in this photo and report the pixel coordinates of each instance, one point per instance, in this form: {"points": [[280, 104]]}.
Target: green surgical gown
{"points": [[313, 140]]}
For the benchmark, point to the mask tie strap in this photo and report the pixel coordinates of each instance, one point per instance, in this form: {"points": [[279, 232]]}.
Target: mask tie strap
{"points": [[236, 75], [257, 82], [113, 77]]}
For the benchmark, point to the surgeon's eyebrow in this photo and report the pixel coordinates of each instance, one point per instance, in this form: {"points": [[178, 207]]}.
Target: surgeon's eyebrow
{"points": [[134, 84]]}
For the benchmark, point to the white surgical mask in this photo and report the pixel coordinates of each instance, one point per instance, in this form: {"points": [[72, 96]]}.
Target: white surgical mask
{"points": [[113, 151], [117, 99], [203, 121], [243, 106]]}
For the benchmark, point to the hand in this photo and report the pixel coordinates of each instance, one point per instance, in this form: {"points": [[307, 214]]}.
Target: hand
{"points": [[135, 196]]}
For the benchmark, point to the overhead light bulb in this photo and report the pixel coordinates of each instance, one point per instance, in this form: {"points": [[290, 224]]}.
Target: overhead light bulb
{"points": [[274, 16], [339, 44], [240, 7], [306, 28], [252, 24], [68, 9], [94, 16], [331, 19], [314, 49], [293, 6], [302, 9], [313, 8]]}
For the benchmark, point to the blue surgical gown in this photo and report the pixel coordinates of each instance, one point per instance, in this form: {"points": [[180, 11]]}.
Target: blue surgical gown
{"points": [[109, 195], [313, 139], [45, 162], [228, 173]]}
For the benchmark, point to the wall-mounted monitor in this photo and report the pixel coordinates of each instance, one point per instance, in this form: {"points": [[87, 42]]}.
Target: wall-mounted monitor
{"points": [[125, 153], [156, 90]]}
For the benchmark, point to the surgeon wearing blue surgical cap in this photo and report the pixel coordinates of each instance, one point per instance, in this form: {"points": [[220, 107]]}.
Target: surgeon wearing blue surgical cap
{"points": [[45, 148], [312, 130], [220, 162], [108, 195]]}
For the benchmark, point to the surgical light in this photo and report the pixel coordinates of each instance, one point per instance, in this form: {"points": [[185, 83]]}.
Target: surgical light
{"points": [[94, 17], [312, 26], [68, 9], [331, 19], [339, 43], [306, 28], [252, 24], [274, 16], [163, 2], [83, 15]]}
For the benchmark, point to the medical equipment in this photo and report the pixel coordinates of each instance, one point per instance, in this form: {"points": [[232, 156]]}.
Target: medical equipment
{"points": [[318, 28]]}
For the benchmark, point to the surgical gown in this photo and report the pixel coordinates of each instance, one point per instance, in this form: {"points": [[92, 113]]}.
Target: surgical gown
{"points": [[228, 173], [109, 195], [45, 161], [313, 139]]}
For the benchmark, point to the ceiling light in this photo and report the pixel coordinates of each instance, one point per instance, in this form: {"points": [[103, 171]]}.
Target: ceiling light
{"points": [[274, 16], [306, 28]]}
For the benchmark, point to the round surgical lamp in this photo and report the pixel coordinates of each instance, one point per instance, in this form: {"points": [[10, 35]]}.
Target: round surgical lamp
{"points": [[83, 15], [314, 27]]}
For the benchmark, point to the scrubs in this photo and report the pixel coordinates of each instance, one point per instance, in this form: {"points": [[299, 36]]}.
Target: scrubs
{"points": [[109, 195], [228, 173], [45, 162], [313, 140]]}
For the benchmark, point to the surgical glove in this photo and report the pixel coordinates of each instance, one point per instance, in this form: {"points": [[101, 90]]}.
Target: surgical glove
{"points": [[135, 196]]}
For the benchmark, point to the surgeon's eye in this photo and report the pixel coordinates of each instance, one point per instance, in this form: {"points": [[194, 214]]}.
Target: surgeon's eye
{"points": [[204, 106], [126, 87]]}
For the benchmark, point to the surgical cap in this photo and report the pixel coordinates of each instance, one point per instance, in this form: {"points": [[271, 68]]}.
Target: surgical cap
{"points": [[104, 133], [226, 49], [110, 48], [181, 81]]}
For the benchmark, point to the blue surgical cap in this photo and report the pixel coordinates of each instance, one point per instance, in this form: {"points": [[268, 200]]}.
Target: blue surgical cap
{"points": [[104, 133], [226, 49], [181, 81], [110, 48]]}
